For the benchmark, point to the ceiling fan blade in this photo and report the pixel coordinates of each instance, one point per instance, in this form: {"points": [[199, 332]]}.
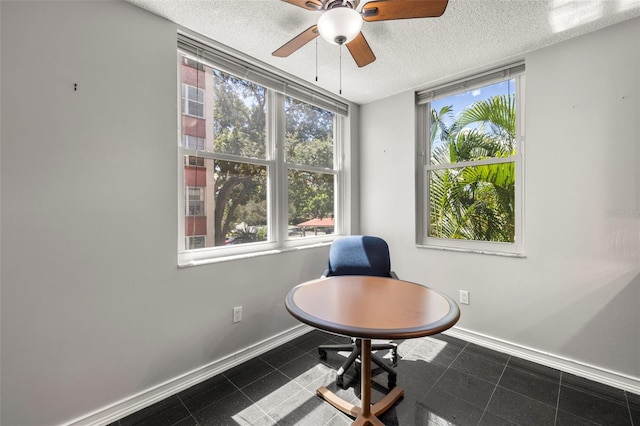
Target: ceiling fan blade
{"points": [[360, 50], [297, 42], [306, 4], [384, 10]]}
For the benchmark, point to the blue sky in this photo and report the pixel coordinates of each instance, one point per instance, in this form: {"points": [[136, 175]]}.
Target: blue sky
{"points": [[461, 100]]}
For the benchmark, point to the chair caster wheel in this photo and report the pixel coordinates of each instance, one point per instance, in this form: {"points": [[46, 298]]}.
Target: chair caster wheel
{"points": [[323, 354]]}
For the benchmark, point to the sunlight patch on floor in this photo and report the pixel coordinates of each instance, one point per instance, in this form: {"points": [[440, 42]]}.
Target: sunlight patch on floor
{"points": [[297, 398], [426, 351]]}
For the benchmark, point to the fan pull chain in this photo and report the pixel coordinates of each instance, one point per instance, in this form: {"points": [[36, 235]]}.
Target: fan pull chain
{"points": [[340, 70], [316, 59]]}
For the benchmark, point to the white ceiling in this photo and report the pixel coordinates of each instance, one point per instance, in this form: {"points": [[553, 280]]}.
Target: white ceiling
{"points": [[412, 53]]}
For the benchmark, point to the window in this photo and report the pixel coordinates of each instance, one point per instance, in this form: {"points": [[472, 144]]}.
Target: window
{"points": [[260, 168], [195, 201], [193, 142], [470, 163], [192, 100]]}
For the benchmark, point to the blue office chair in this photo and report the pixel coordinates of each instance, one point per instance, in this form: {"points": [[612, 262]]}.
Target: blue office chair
{"points": [[360, 255]]}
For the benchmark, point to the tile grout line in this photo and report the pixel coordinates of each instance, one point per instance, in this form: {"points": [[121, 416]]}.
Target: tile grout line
{"points": [[443, 373], [446, 369], [555, 419], [247, 396], [494, 389], [626, 397], [188, 411]]}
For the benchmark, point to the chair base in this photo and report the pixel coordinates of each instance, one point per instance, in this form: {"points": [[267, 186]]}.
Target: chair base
{"points": [[356, 348]]}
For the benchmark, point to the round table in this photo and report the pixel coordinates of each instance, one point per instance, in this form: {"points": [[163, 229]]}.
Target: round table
{"points": [[368, 308]]}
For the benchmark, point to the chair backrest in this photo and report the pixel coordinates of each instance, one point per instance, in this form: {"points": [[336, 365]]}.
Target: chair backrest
{"points": [[359, 255]]}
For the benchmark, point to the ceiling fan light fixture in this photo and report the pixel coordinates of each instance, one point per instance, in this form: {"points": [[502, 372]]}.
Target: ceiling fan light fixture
{"points": [[340, 25]]}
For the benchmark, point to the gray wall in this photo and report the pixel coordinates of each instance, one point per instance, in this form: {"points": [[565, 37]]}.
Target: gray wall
{"points": [[576, 295], [94, 309]]}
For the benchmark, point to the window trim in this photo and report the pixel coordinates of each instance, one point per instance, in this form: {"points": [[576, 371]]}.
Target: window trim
{"points": [[423, 104], [277, 168]]}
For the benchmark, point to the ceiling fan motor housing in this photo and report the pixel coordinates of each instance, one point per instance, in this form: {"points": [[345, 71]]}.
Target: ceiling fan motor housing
{"points": [[330, 4], [340, 24]]}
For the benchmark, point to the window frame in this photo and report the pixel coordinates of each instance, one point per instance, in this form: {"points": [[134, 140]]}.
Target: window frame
{"points": [[423, 167], [277, 171]]}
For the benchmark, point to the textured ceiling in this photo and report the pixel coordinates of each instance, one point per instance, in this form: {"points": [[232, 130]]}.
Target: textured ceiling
{"points": [[411, 53]]}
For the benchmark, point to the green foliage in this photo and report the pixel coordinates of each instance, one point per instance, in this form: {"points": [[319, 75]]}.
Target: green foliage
{"points": [[239, 116], [247, 234], [309, 135], [475, 202], [310, 196]]}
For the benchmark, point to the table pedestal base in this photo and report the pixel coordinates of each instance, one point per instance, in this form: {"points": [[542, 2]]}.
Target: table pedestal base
{"points": [[366, 414], [370, 417]]}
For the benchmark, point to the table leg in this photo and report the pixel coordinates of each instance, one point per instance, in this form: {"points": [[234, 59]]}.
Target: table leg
{"points": [[365, 414], [365, 378]]}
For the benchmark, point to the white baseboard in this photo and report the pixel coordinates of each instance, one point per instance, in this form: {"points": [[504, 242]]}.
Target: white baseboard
{"points": [[600, 375], [132, 404]]}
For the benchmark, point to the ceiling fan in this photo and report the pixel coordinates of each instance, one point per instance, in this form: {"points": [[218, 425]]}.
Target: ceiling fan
{"points": [[341, 23]]}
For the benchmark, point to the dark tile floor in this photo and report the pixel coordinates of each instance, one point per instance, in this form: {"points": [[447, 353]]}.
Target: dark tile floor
{"points": [[447, 382]]}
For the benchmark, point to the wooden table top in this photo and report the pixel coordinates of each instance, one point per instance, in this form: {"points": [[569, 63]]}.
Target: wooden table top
{"points": [[372, 307]]}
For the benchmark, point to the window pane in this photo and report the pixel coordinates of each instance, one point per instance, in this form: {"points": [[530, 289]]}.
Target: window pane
{"points": [[195, 201], [192, 100], [239, 117], [196, 94], [473, 203], [226, 202], [309, 137], [196, 109], [193, 142], [241, 202], [311, 203], [474, 125]]}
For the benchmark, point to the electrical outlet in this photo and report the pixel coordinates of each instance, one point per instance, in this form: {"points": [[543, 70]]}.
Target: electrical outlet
{"points": [[464, 297], [237, 314]]}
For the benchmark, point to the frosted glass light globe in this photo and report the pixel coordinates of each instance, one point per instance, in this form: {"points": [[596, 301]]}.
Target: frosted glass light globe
{"points": [[339, 25]]}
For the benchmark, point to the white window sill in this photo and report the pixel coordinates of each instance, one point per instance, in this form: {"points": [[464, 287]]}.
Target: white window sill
{"points": [[474, 250], [249, 255]]}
